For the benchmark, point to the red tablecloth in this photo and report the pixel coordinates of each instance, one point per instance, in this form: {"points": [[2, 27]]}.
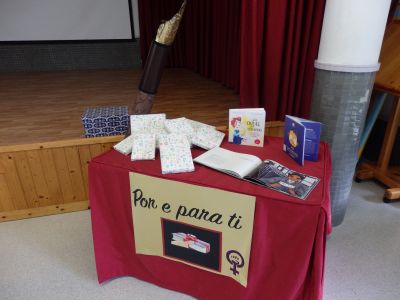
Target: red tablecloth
{"points": [[288, 244]]}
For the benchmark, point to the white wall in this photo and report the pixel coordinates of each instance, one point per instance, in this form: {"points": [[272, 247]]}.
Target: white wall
{"points": [[135, 16], [32, 20]]}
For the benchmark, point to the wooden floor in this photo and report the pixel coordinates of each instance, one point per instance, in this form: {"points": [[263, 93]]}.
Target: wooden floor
{"points": [[47, 106]]}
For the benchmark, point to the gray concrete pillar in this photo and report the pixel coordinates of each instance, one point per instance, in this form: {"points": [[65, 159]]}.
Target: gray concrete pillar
{"points": [[351, 40], [340, 102]]}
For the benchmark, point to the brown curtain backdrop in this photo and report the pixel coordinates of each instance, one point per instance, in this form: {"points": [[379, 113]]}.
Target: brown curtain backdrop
{"points": [[208, 40], [279, 44]]}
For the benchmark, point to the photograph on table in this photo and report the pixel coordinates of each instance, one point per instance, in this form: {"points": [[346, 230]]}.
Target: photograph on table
{"points": [[280, 178], [196, 245]]}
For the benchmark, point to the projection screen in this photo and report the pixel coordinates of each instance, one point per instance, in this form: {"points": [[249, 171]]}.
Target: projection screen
{"points": [[47, 20]]}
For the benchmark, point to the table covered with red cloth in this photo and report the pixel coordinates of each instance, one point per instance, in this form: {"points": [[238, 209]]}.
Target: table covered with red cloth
{"points": [[288, 245]]}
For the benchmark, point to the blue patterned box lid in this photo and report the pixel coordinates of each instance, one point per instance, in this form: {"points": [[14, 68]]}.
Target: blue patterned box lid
{"points": [[106, 120], [105, 112]]}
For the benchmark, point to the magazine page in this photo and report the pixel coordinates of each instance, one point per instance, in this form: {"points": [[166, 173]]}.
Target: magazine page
{"points": [[275, 176], [233, 163]]}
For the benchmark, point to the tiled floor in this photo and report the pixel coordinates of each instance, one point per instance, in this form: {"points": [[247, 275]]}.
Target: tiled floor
{"points": [[52, 257]]}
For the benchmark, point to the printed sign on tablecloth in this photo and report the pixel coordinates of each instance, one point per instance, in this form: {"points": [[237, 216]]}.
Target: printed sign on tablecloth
{"points": [[207, 228]]}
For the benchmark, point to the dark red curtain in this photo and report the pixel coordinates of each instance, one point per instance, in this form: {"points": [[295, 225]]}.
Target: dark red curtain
{"points": [[266, 48], [279, 44], [208, 40]]}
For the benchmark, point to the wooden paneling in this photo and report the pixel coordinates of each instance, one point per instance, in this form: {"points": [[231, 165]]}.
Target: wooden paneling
{"points": [[42, 211], [26, 180], [275, 128], [50, 175], [13, 182], [6, 202], [388, 76], [84, 157], [47, 178], [63, 175], [95, 150]]}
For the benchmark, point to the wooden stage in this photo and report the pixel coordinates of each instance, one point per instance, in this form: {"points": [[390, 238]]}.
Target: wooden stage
{"points": [[47, 106], [43, 155]]}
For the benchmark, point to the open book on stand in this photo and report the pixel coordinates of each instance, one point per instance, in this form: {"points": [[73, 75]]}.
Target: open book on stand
{"points": [[268, 173]]}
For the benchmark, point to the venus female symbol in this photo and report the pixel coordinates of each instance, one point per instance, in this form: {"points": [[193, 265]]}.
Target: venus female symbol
{"points": [[236, 260]]}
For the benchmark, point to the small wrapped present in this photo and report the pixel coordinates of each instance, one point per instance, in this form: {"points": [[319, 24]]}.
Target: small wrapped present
{"points": [[190, 241], [196, 125], [207, 138], [105, 121], [125, 146], [180, 126], [152, 123], [175, 154], [144, 146], [200, 246]]}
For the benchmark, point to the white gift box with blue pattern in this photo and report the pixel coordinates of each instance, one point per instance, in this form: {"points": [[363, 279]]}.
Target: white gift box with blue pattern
{"points": [[106, 120]]}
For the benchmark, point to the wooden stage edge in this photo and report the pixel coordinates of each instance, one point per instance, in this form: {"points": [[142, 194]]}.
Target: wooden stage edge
{"points": [[41, 179]]}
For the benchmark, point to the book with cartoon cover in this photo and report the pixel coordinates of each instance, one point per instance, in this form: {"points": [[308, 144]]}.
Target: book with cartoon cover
{"points": [[247, 126]]}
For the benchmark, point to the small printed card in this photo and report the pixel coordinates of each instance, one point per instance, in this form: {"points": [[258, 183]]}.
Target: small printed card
{"points": [[180, 126], [144, 146], [301, 139], [207, 138], [247, 126], [175, 154], [152, 123], [125, 146]]}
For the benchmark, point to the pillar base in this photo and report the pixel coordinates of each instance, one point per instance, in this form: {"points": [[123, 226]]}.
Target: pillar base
{"points": [[340, 102]]}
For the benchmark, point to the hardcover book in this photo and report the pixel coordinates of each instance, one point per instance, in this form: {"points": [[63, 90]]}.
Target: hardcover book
{"points": [[268, 173], [301, 139], [247, 126]]}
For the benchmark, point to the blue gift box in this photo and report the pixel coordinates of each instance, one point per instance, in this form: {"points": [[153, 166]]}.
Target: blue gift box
{"points": [[106, 120]]}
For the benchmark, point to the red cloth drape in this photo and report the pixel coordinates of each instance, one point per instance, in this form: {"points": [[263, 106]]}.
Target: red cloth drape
{"points": [[208, 38], [265, 48], [288, 242], [279, 43]]}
